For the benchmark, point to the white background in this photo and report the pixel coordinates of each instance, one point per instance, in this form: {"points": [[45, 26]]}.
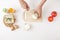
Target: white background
{"points": [[40, 30]]}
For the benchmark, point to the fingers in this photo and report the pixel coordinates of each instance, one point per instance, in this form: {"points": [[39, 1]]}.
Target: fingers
{"points": [[27, 7], [24, 5], [39, 11]]}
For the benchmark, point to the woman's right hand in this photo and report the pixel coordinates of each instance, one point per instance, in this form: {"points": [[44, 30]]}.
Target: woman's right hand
{"points": [[24, 4]]}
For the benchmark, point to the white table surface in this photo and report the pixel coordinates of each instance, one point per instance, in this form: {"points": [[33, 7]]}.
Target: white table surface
{"points": [[40, 30]]}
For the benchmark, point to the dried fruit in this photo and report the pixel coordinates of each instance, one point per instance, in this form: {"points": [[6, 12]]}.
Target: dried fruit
{"points": [[50, 18], [54, 14], [11, 10]]}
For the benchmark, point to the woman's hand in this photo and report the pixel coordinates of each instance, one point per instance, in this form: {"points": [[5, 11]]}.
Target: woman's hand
{"points": [[24, 4], [39, 8], [39, 12]]}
